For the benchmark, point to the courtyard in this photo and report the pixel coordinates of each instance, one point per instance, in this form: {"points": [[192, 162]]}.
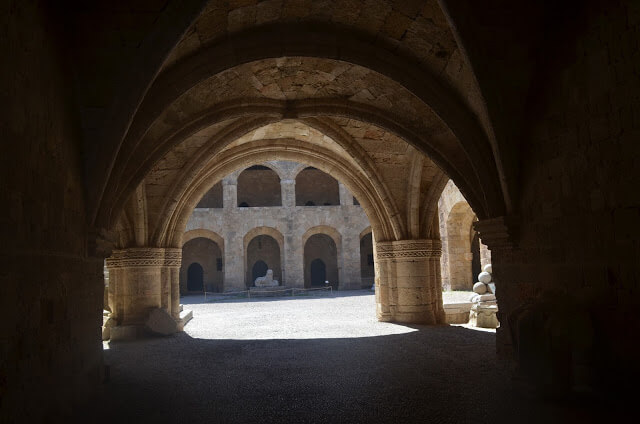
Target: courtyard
{"points": [[316, 359]]}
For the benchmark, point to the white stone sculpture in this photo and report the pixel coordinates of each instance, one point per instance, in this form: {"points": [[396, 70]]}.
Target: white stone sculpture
{"points": [[488, 268], [266, 281], [484, 277], [480, 288]]}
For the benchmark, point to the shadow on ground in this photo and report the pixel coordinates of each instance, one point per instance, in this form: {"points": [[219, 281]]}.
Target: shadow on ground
{"points": [[438, 374]]}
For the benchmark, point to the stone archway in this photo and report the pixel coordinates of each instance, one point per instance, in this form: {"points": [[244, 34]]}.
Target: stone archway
{"points": [[207, 252], [320, 261], [265, 245]]}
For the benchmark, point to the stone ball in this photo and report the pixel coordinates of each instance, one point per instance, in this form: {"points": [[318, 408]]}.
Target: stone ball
{"points": [[484, 277], [480, 288], [487, 268]]}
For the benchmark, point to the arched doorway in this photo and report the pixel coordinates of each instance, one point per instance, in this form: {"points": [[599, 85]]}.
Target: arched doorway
{"points": [[318, 273], [320, 261], [259, 270], [195, 275], [263, 253], [367, 272], [207, 253]]}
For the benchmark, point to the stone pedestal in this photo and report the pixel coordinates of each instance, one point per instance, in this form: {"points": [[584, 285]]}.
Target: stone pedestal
{"points": [[141, 280], [484, 316], [407, 281]]}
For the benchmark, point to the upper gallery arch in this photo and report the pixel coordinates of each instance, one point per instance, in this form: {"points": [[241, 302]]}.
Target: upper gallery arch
{"points": [[427, 78]]}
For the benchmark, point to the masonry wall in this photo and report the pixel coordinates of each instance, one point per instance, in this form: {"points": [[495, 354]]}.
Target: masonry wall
{"points": [[455, 219], [572, 284], [50, 288], [291, 223]]}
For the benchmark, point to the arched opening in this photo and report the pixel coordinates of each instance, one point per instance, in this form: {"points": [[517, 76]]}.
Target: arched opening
{"points": [[259, 269], [263, 253], [195, 279], [314, 187], [207, 254], [367, 271], [258, 186], [212, 198], [318, 271], [320, 249]]}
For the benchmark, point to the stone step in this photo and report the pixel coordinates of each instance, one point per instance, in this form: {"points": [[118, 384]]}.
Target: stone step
{"points": [[181, 307], [185, 317], [457, 313]]}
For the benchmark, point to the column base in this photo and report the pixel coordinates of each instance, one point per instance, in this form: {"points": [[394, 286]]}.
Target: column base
{"points": [[128, 332]]}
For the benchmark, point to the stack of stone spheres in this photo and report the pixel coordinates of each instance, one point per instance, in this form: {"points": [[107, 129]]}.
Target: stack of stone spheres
{"points": [[485, 307]]}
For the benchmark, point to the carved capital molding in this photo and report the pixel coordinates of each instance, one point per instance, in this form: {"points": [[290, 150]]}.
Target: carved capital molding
{"points": [[408, 249], [145, 257], [498, 233]]}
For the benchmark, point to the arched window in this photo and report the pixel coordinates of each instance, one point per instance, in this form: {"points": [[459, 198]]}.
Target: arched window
{"points": [[314, 187], [212, 198], [259, 186]]}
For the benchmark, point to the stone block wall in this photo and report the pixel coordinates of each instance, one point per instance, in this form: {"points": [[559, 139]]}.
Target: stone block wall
{"points": [[51, 286], [345, 222], [572, 284]]}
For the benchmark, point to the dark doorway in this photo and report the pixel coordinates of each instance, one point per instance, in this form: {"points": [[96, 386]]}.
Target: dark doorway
{"points": [[195, 277], [476, 267], [259, 270], [318, 272]]}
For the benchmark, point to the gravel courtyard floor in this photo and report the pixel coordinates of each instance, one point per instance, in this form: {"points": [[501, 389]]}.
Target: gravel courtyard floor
{"points": [[315, 360]]}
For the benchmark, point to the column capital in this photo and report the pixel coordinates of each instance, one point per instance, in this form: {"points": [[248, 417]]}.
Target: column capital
{"points": [[498, 233], [145, 257], [408, 249]]}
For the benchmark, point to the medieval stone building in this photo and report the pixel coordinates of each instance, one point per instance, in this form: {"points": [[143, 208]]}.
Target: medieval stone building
{"points": [[119, 116], [285, 216]]}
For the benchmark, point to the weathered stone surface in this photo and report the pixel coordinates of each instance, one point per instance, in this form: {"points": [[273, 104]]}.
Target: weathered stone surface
{"points": [[484, 316], [161, 322], [487, 268], [484, 277], [486, 297], [267, 280], [480, 288]]}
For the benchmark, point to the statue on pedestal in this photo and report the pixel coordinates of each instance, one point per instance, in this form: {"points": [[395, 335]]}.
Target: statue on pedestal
{"points": [[266, 281]]}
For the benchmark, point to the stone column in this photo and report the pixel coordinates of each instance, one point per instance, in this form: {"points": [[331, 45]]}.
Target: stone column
{"points": [[294, 260], [288, 189], [234, 254], [350, 278], [143, 279], [408, 281], [346, 198], [230, 192], [499, 234]]}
